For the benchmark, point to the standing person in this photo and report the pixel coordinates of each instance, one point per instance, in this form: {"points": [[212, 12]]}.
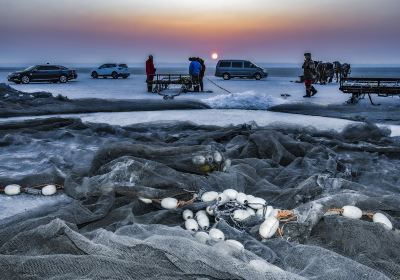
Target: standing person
{"points": [[309, 72], [194, 72], [150, 72], [202, 73]]}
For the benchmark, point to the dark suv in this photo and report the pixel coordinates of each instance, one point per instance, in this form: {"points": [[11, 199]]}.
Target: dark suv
{"points": [[40, 73], [239, 68]]}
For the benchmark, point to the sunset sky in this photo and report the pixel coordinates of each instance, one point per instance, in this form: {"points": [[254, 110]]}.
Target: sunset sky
{"points": [[90, 31]]}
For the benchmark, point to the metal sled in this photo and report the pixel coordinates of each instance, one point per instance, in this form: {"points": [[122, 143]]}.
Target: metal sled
{"points": [[359, 87], [178, 83]]}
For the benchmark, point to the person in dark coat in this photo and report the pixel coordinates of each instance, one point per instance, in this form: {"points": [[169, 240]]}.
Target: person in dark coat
{"points": [[309, 74], [150, 72], [202, 73]]}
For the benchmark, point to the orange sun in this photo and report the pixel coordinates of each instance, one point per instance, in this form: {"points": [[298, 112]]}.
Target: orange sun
{"points": [[214, 56]]}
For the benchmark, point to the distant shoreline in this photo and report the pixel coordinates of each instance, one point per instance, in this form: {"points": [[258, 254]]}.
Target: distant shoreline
{"points": [[290, 71]]}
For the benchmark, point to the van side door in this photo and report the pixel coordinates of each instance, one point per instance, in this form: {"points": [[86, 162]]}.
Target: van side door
{"points": [[237, 69]]}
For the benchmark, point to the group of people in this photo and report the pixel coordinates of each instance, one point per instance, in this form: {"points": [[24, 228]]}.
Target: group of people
{"points": [[197, 69], [322, 72]]}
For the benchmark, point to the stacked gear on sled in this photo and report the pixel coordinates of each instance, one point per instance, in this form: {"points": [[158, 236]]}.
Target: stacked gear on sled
{"points": [[181, 83]]}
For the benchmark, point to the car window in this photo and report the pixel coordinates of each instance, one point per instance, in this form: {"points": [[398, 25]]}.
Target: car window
{"points": [[42, 68], [247, 64], [237, 64], [103, 66], [52, 68], [112, 65], [123, 65], [30, 68], [224, 64]]}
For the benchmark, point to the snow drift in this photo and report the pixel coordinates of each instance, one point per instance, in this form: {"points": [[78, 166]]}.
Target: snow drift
{"points": [[248, 100]]}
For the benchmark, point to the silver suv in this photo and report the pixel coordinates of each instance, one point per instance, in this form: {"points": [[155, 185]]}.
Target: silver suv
{"points": [[239, 68]]}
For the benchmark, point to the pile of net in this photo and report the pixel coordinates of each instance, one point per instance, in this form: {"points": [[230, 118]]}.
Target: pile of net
{"points": [[115, 226]]}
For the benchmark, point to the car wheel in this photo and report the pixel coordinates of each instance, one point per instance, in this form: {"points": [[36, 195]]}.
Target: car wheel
{"points": [[114, 75], [95, 75], [257, 76], [125, 77], [63, 79], [25, 80], [226, 76]]}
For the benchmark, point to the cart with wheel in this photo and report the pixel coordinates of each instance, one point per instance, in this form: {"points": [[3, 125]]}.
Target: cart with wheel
{"points": [[359, 87]]}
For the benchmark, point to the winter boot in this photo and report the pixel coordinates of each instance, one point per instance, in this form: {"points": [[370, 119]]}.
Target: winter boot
{"points": [[308, 92], [313, 91]]}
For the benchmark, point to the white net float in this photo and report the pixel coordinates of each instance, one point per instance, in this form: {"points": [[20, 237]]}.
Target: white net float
{"points": [[217, 157], [234, 243], [202, 237], [187, 214], [169, 203], [192, 225], [352, 212], [216, 234], [203, 221], [231, 193], [256, 202], [145, 200], [49, 190], [382, 219], [12, 189], [240, 215], [241, 198], [209, 196], [269, 227]]}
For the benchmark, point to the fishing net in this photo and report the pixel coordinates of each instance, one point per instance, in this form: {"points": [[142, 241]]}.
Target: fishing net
{"points": [[105, 230]]}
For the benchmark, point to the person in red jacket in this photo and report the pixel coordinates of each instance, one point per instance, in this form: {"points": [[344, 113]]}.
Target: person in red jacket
{"points": [[150, 72]]}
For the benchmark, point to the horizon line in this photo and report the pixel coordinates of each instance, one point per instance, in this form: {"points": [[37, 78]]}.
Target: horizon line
{"points": [[17, 64]]}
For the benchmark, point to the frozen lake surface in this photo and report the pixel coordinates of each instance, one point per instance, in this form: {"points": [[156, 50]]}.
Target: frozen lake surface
{"points": [[245, 93], [238, 106], [219, 117]]}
